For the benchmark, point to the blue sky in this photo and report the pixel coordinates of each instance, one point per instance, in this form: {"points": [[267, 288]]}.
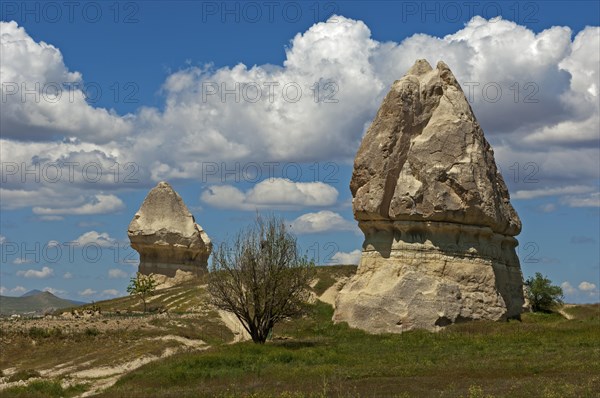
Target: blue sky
{"points": [[155, 75]]}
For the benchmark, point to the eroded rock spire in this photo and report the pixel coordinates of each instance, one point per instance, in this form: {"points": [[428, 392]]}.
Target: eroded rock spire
{"points": [[439, 227], [166, 236]]}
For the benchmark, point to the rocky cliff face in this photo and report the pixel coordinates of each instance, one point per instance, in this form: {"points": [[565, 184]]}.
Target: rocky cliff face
{"points": [[439, 227], [165, 234]]}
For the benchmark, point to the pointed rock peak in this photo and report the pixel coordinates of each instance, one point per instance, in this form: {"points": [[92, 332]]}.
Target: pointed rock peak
{"points": [[163, 208], [436, 215], [446, 74], [420, 68], [425, 158], [166, 235], [441, 66]]}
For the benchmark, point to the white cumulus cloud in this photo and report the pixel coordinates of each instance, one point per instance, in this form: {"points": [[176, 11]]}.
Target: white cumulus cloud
{"points": [[276, 193], [591, 200], [551, 191], [115, 273], [567, 288], [99, 204], [92, 237], [17, 290], [352, 257], [45, 272], [584, 290], [58, 107], [87, 292], [547, 81], [110, 292], [54, 291], [587, 286], [322, 221]]}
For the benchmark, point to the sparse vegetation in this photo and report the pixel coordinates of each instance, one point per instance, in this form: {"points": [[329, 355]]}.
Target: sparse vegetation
{"points": [[542, 295], [25, 374], [44, 389], [545, 355], [328, 275], [262, 278], [121, 334], [93, 307], [142, 286], [92, 332], [43, 333]]}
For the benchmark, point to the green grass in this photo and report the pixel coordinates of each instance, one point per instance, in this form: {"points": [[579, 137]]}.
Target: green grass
{"points": [[583, 311], [328, 275], [44, 389], [102, 348], [27, 345], [543, 356], [209, 329], [177, 299]]}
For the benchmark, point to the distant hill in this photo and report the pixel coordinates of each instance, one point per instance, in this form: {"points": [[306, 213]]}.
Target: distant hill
{"points": [[180, 298], [34, 302], [33, 292]]}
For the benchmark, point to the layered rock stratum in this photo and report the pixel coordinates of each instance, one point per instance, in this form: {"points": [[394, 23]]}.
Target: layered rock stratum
{"points": [[166, 235], [439, 227]]}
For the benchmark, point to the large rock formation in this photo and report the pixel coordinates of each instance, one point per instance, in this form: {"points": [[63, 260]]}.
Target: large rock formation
{"points": [[166, 235], [439, 227]]}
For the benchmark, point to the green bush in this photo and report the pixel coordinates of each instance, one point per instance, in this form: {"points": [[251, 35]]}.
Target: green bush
{"points": [[38, 333], [542, 295], [262, 277], [142, 286], [91, 332]]}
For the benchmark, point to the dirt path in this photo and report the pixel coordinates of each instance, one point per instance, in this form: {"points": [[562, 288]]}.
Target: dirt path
{"points": [[565, 313], [104, 377]]}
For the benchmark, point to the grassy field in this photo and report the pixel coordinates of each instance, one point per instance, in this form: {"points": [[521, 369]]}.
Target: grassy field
{"points": [[63, 356], [545, 355], [101, 341]]}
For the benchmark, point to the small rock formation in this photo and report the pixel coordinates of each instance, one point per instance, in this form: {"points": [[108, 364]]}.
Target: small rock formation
{"points": [[166, 235], [439, 227], [164, 281]]}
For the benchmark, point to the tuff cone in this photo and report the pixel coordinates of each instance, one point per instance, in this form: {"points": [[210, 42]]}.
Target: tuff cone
{"points": [[439, 227], [166, 235]]}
